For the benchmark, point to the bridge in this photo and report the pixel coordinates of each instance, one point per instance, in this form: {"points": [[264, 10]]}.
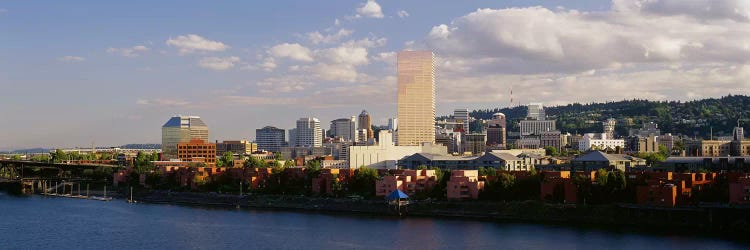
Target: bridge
{"points": [[30, 176], [18, 170]]}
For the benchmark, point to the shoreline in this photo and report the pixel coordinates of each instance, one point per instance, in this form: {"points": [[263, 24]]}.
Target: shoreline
{"points": [[618, 218], [603, 217]]}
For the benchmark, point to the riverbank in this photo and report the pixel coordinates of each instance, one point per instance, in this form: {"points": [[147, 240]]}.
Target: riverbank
{"points": [[712, 221], [36, 222]]}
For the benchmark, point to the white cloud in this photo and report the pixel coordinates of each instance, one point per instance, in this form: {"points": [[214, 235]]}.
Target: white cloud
{"points": [[536, 39], [653, 49], [72, 59], [194, 43], [738, 10], [334, 72], [370, 9], [345, 54], [366, 42], [386, 57], [293, 51], [219, 63], [128, 52], [559, 89], [284, 84], [318, 38], [268, 64], [372, 92], [162, 102], [402, 13]]}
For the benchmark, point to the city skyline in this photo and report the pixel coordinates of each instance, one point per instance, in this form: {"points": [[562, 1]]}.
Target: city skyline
{"points": [[94, 75]]}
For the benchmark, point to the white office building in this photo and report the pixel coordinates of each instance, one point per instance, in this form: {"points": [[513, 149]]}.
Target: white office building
{"points": [[599, 141], [385, 154], [308, 133]]}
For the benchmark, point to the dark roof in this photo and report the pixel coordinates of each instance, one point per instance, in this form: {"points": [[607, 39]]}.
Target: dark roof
{"points": [[700, 159], [599, 156], [437, 157], [173, 122], [176, 121], [502, 156]]}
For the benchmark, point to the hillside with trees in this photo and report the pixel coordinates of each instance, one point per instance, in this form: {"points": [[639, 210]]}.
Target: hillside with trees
{"points": [[692, 118]]}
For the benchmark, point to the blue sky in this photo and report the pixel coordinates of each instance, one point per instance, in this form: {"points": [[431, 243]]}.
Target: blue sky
{"points": [[77, 72]]}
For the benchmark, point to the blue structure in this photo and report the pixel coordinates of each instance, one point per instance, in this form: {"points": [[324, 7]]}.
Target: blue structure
{"points": [[397, 195]]}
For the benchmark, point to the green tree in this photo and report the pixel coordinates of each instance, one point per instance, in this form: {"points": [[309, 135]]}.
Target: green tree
{"points": [[289, 163], [226, 160], [364, 181], [312, 168], [439, 191], [500, 188], [253, 162], [616, 181], [421, 167], [16, 157], [601, 177], [551, 151], [59, 156], [40, 158], [488, 171], [143, 162], [154, 179], [105, 156], [679, 145]]}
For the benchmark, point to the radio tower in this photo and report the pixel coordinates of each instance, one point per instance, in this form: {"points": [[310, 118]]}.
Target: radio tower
{"points": [[510, 105]]}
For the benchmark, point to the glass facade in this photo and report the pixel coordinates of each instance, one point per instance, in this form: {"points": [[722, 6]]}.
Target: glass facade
{"points": [[416, 97], [181, 129]]}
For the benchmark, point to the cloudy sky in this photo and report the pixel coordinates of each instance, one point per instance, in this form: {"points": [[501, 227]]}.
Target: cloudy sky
{"points": [[73, 73]]}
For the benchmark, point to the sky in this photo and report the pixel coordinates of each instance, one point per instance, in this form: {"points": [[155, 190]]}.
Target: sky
{"points": [[73, 73]]}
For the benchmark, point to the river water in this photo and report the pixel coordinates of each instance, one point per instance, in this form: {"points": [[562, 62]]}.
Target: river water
{"points": [[61, 223]]}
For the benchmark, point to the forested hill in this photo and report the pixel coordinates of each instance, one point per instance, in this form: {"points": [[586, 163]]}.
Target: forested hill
{"points": [[693, 118]]}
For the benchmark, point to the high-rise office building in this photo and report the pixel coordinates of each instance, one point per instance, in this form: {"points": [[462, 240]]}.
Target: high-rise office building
{"points": [[392, 124], [609, 127], [536, 111], [181, 129], [535, 127], [292, 138], [241, 147], [365, 122], [344, 128], [270, 138], [308, 133], [462, 116], [496, 131], [475, 143], [416, 97]]}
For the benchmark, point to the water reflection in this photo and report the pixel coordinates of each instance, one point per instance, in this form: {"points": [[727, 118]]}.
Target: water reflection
{"points": [[67, 223]]}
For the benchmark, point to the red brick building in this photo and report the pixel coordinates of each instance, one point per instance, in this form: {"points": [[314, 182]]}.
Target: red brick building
{"points": [[557, 186], [197, 151], [464, 184], [739, 190]]}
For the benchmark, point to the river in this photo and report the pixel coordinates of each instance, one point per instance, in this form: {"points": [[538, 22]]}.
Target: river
{"points": [[60, 223]]}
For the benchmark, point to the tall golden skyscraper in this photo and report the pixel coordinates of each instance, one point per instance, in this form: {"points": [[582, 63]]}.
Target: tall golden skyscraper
{"points": [[416, 98]]}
